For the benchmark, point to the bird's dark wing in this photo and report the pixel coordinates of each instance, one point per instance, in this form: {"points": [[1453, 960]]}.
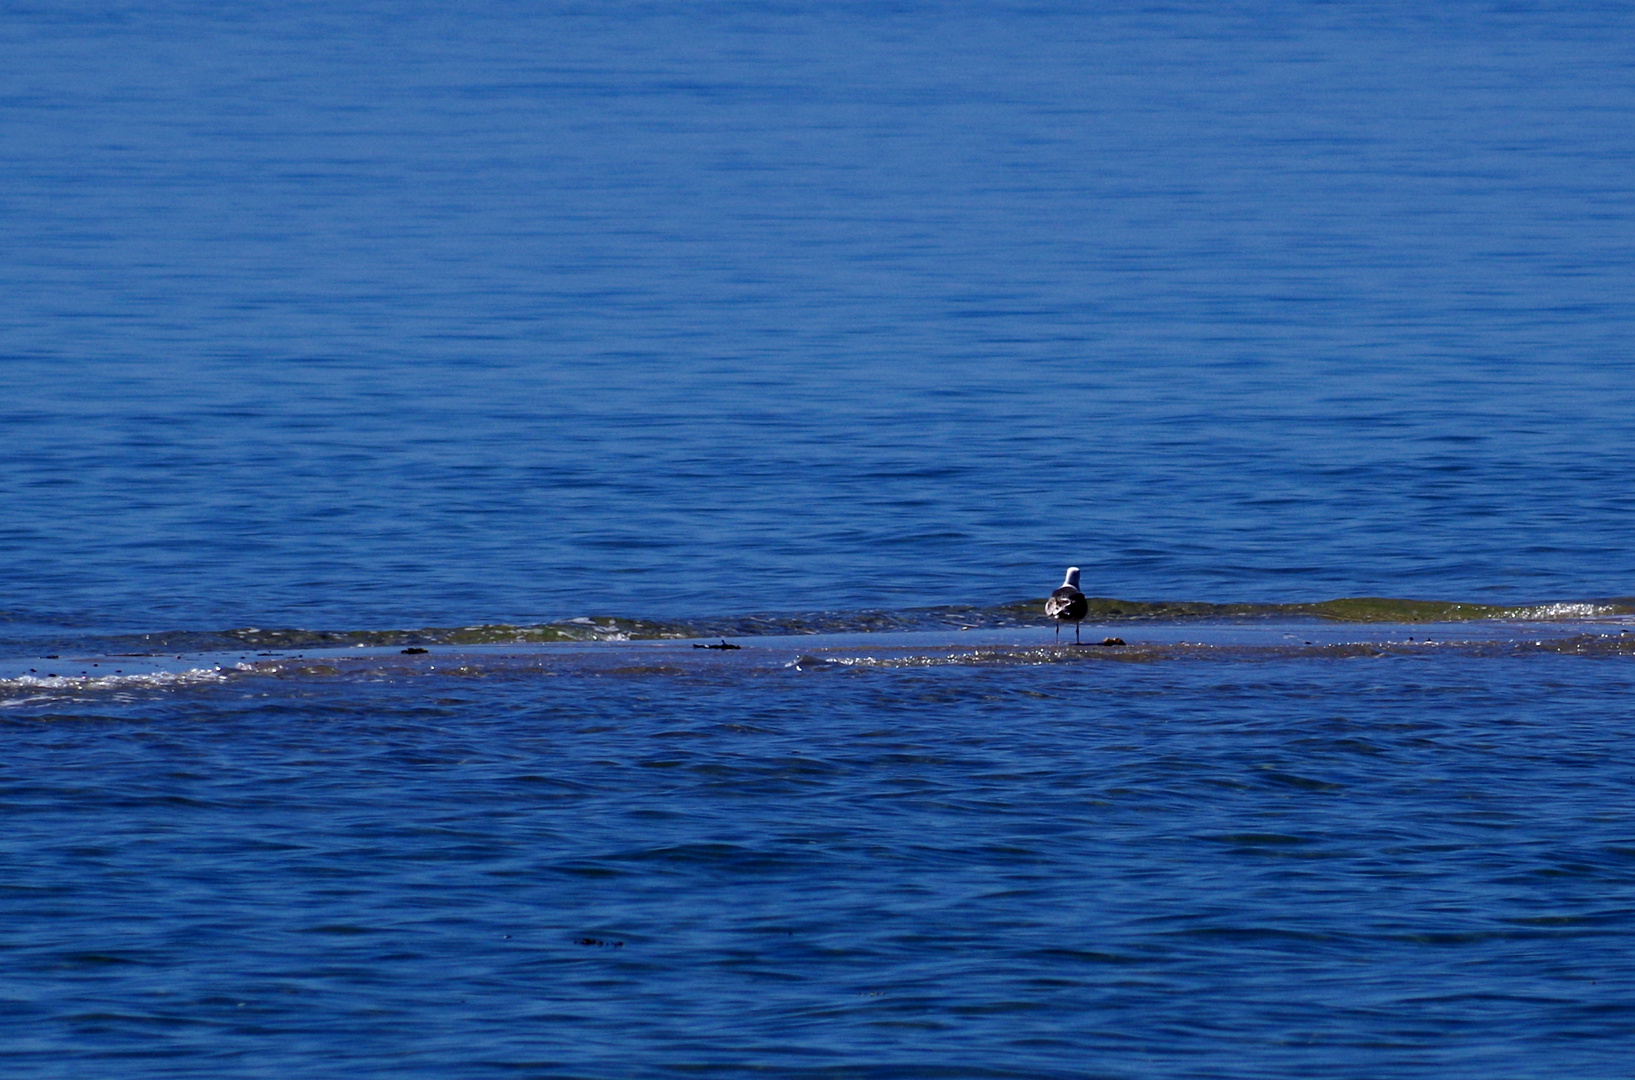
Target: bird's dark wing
{"points": [[1067, 603]]}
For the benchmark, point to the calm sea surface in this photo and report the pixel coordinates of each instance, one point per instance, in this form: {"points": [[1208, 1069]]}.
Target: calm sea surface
{"points": [[345, 318]]}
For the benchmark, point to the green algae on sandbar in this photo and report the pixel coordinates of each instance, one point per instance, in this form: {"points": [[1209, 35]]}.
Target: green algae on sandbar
{"points": [[1359, 609], [1386, 609], [289, 638]]}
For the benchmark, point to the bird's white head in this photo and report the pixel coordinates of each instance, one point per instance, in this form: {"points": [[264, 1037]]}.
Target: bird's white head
{"points": [[1072, 577]]}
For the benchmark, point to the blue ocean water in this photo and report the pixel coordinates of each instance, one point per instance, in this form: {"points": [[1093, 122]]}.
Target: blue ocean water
{"points": [[359, 317], [370, 314], [859, 862]]}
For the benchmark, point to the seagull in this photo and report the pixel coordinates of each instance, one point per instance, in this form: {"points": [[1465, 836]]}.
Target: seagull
{"points": [[1067, 604]]}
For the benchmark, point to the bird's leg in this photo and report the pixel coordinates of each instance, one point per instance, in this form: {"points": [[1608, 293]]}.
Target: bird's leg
{"points": [[1058, 633], [1076, 634]]}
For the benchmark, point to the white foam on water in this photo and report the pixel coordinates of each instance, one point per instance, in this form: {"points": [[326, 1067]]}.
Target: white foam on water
{"points": [[55, 685], [1564, 611]]}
